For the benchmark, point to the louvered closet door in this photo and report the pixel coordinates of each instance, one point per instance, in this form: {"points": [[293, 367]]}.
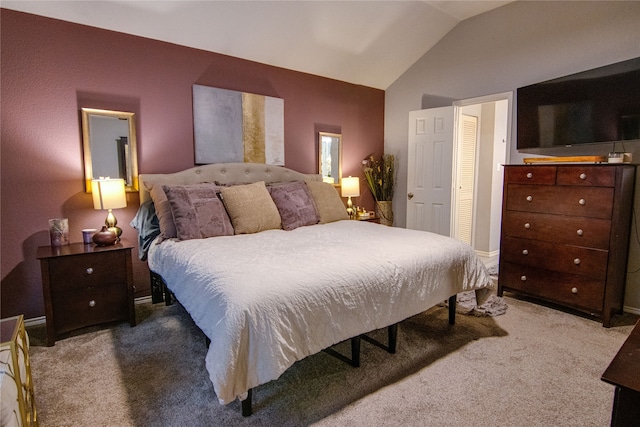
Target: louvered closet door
{"points": [[466, 178]]}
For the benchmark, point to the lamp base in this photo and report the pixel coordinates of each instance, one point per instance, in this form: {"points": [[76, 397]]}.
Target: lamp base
{"points": [[111, 223], [350, 208]]}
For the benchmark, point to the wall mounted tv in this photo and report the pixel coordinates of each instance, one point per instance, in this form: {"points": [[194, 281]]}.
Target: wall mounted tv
{"points": [[595, 106]]}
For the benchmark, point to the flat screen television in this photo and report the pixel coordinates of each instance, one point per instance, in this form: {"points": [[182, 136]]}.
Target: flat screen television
{"points": [[595, 106]]}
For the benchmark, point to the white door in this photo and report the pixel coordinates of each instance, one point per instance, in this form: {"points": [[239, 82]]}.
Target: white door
{"points": [[466, 177], [429, 172]]}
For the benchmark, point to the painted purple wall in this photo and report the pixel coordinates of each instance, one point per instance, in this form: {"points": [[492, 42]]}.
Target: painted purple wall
{"points": [[50, 69]]}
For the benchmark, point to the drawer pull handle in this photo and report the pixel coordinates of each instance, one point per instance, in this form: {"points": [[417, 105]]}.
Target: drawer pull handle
{"points": [[583, 176], [527, 225], [582, 202], [529, 175], [523, 278], [89, 270], [92, 303], [579, 232], [576, 261], [529, 198], [525, 252], [574, 290]]}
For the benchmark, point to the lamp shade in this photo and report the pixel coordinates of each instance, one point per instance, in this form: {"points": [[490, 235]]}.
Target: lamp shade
{"points": [[351, 186], [108, 193]]}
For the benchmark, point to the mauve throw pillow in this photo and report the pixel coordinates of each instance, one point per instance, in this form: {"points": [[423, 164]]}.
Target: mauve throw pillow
{"points": [[294, 204], [197, 211], [328, 202], [250, 208]]}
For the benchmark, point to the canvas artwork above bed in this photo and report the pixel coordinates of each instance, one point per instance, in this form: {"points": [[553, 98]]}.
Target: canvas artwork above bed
{"points": [[263, 259]]}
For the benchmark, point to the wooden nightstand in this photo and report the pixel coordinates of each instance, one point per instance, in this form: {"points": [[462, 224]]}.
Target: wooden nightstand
{"points": [[85, 285]]}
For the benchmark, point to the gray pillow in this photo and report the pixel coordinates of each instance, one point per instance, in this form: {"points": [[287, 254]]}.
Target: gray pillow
{"points": [[197, 211], [294, 204]]}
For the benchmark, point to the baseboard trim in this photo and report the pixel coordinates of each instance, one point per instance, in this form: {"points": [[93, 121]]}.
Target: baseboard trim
{"points": [[43, 319], [486, 254], [632, 310], [35, 321]]}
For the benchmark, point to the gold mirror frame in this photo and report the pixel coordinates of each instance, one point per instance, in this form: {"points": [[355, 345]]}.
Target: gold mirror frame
{"points": [[104, 153], [330, 157]]}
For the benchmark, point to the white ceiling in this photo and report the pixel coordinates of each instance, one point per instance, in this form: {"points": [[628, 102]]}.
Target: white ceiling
{"points": [[370, 43]]}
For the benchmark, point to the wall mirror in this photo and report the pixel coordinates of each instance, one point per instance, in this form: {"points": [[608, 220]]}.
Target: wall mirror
{"points": [[109, 142], [330, 157]]}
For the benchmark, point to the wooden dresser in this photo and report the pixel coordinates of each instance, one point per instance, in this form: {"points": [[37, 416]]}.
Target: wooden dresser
{"points": [[565, 234]]}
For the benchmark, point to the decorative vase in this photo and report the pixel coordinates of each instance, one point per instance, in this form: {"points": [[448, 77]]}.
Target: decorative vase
{"points": [[104, 237], [384, 211], [59, 231]]}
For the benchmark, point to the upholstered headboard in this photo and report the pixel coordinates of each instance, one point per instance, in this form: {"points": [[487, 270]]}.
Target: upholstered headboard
{"points": [[224, 173]]}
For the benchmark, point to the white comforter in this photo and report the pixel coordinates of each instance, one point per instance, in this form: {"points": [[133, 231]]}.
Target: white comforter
{"points": [[269, 299]]}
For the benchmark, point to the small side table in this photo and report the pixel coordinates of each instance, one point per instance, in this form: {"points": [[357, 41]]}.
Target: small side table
{"points": [[624, 373], [15, 368], [85, 285]]}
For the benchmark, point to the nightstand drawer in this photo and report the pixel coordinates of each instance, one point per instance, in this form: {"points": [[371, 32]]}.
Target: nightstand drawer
{"points": [[81, 271], [592, 202], [579, 231], [91, 306], [567, 289], [551, 256]]}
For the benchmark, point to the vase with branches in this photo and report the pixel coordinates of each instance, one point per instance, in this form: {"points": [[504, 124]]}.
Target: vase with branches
{"points": [[380, 175]]}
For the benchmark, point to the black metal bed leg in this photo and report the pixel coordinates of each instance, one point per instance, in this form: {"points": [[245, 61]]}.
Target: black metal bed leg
{"points": [[393, 338], [355, 351], [452, 309], [246, 404], [168, 296]]}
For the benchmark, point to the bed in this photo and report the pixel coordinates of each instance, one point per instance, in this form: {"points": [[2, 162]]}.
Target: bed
{"points": [[273, 295]]}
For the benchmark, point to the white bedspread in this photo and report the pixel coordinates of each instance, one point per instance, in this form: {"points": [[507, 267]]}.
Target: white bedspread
{"points": [[269, 299]]}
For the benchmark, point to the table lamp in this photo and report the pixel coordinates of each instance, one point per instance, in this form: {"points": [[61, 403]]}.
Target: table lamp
{"points": [[350, 188], [109, 194]]}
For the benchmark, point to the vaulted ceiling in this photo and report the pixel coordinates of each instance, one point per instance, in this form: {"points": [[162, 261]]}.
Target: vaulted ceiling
{"points": [[370, 43]]}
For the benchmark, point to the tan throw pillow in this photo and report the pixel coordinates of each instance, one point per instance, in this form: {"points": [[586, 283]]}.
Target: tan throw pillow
{"points": [[328, 202], [163, 211], [198, 213], [250, 208]]}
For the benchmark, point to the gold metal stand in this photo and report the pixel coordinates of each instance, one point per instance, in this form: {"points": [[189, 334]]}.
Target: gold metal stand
{"points": [[17, 366]]}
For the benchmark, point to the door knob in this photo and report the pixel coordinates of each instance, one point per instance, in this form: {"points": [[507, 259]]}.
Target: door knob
{"points": [[410, 196]]}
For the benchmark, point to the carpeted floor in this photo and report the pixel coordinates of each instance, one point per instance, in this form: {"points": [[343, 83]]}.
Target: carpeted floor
{"points": [[531, 366]]}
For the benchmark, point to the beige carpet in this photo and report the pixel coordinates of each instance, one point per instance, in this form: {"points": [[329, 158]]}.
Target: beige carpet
{"points": [[533, 366]]}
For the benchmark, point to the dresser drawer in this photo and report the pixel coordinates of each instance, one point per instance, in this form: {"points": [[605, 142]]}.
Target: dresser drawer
{"points": [[594, 176], [81, 271], [592, 202], [535, 175], [90, 306], [570, 290], [552, 256], [579, 231]]}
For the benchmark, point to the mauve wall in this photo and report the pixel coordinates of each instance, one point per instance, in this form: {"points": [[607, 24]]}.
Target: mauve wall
{"points": [[50, 69]]}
